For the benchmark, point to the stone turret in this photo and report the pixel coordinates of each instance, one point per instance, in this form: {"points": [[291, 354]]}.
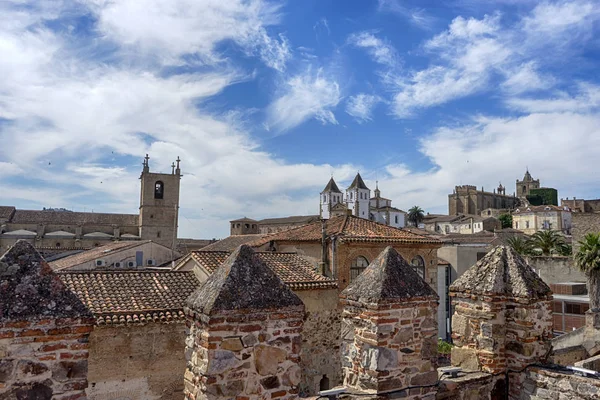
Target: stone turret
{"points": [[502, 314], [44, 330], [389, 330], [244, 336]]}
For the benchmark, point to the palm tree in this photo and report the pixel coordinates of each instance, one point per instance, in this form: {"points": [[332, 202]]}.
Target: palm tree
{"points": [[416, 215], [547, 242], [588, 260], [520, 244]]}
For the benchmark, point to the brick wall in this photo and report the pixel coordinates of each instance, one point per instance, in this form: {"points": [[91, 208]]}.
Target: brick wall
{"points": [[43, 358]]}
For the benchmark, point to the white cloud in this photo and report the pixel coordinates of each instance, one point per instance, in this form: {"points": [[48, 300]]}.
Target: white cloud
{"points": [[587, 98], [304, 96], [381, 51], [555, 18], [361, 106], [526, 78], [416, 16]]}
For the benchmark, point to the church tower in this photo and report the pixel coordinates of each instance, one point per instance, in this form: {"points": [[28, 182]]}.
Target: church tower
{"points": [[357, 197], [159, 204], [524, 187], [330, 196]]}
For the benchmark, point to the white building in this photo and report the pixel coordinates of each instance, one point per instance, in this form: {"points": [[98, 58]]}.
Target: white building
{"points": [[358, 202]]}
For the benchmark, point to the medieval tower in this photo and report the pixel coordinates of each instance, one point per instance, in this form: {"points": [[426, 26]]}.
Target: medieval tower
{"points": [[159, 204], [524, 187]]}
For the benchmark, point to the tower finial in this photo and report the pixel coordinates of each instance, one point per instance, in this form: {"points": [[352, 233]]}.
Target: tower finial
{"points": [[173, 168], [145, 164]]}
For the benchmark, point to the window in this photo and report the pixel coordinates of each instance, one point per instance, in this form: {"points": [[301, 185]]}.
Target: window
{"points": [[350, 195], [57, 244], [396, 219], [419, 266], [358, 265], [517, 225], [576, 308], [526, 224], [159, 189], [158, 234]]}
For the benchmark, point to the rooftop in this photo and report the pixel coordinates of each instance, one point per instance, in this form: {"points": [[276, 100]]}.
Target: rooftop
{"points": [[72, 218], [358, 183], [232, 242], [94, 254], [295, 219]]}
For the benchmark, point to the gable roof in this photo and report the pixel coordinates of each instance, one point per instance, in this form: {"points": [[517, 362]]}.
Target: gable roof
{"points": [[72, 218], [347, 228], [6, 212], [243, 281], [502, 271], [129, 297], [29, 289], [94, 254], [331, 187], [542, 208], [294, 219], [245, 219], [388, 277], [293, 269], [358, 183], [232, 242]]}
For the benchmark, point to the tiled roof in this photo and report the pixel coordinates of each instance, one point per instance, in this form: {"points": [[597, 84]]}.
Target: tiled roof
{"points": [[295, 219], [93, 254], [347, 228], [293, 269], [130, 297], [245, 219], [358, 183], [526, 209], [331, 187], [387, 208], [6, 212], [75, 218], [232, 242]]}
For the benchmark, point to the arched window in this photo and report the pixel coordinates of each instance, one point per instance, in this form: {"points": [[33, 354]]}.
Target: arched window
{"points": [[358, 265], [419, 266], [159, 190]]}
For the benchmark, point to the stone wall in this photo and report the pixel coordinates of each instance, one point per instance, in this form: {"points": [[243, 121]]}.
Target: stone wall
{"points": [[584, 223], [556, 269], [43, 358], [138, 362], [538, 383]]}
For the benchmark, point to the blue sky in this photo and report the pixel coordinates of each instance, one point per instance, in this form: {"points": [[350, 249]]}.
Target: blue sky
{"points": [[264, 100]]}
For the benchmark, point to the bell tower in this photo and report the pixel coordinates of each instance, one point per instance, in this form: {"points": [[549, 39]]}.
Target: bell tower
{"points": [[159, 204]]}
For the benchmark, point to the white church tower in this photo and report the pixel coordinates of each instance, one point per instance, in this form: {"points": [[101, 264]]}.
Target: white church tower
{"points": [[330, 196], [357, 198]]}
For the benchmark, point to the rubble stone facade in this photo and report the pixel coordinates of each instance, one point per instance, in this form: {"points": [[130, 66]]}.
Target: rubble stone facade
{"points": [[44, 331], [244, 336], [389, 330]]}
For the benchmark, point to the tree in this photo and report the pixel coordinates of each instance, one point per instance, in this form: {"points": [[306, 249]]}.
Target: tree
{"points": [[506, 220], [547, 242], [588, 260], [416, 215], [521, 245]]}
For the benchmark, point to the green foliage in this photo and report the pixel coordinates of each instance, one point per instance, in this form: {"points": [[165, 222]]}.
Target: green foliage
{"points": [[588, 256], [415, 215], [535, 200], [547, 242], [521, 245], [444, 347], [506, 220], [547, 196]]}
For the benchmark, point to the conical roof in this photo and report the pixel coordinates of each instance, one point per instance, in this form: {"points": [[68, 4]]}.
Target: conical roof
{"points": [[358, 183], [527, 177], [29, 289], [388, 277], [502, 271], [331, 187], [243, 281]]}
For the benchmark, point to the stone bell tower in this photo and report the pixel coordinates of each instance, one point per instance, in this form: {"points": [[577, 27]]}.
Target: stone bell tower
{"points": [[159, 204]]}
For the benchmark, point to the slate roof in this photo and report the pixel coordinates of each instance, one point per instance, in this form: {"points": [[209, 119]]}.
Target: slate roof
{"points": [[293, 269], [502, 272], [347, 228], [331, 187], [295, 219], [132, 297], [243, 281], [6, 212], [358, 183], [72, 218], [388, 277], [232, 242], [93, 254], [30, 290]]}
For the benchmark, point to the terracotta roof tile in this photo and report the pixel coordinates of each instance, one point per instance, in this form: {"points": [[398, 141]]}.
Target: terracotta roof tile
{"points": [[6, 212], [232, 242], [93, 254], [296, 271], [295, 219], [130, 297], [348, 228]]}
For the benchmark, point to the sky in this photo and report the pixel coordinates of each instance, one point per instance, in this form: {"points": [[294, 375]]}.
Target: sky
{"points": [[264, 101]]}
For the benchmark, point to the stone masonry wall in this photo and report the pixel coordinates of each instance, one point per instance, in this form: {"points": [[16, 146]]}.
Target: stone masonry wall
{"points": [[390, 346], [253, 355], [138, 362], [538, 383], [44, 358], [583, 223], [556, 269]]}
